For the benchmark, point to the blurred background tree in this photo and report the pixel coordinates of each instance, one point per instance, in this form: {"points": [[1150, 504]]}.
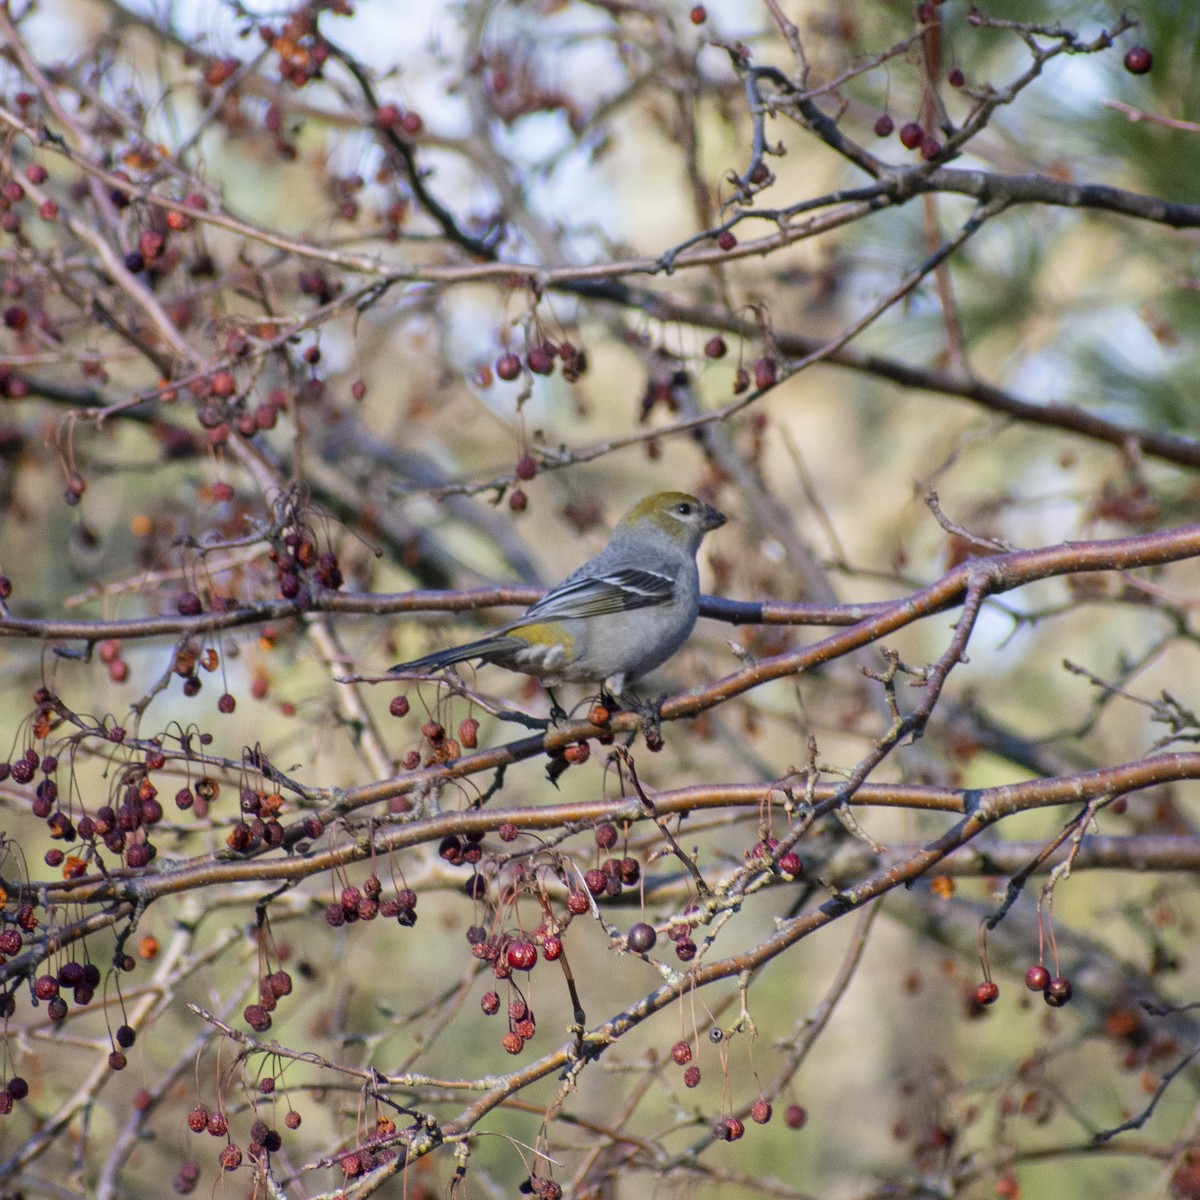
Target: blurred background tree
{"points": [[327, 329]]}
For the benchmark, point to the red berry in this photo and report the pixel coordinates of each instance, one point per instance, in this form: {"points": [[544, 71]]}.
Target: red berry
{"points": [[1036, 978], [1058, 992], [987, 992], [188, 604], [930, 147], [715, 347], [35, 173], [527, 467], [760, 1111], [508, 366], [956, 78], [884, 125], [790, 864], [765, 372], [1138, 60], [257, 1017], [521, 955], [911, 135], [150, 244], [698, 14], [641, 937], [517, 500], [226, 704], [577, 903], [398, 706], [795, 1117], [691, 1077], [726, 239], [681, 1052], [411, 124], [541, 360]]}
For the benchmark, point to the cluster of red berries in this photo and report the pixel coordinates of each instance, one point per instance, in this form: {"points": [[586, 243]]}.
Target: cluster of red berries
{"points": [[301, 51], [463, 851], [272, 988], [124, 828], [263, 1140], [521, 1023], [259, 825], [540, 359], [368, 902], [12, 193], [299, 565], [405, 121], [1056, 991], [439, 747], [789, 864], [370, 1154]]}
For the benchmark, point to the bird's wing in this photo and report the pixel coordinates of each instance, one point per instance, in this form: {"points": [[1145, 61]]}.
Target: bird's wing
{"points": [[596, 595]]}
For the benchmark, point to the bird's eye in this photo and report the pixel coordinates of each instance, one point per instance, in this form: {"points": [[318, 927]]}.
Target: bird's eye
{"points": [[684, 509]]}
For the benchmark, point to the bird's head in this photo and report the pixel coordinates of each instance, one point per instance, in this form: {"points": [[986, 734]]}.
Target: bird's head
{"points": [[683, 518]]}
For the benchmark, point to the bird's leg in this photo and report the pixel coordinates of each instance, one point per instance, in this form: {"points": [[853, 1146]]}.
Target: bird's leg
{"points": [[558, 714]]}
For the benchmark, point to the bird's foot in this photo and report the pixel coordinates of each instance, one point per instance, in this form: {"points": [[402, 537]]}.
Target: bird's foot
{"points": [[650, 712]]}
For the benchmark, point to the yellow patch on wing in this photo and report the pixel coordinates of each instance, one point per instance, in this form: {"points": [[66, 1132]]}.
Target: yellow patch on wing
{"points": [[546, 633]]}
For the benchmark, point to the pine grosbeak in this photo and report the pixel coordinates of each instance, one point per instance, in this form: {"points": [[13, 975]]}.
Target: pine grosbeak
{"points": [[617, 617]]}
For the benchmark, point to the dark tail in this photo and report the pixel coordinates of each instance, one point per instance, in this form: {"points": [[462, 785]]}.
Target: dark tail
{"points": [[485, 648]]}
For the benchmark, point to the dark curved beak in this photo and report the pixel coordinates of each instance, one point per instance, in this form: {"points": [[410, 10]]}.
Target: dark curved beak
{"points": [[713, 518]]}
